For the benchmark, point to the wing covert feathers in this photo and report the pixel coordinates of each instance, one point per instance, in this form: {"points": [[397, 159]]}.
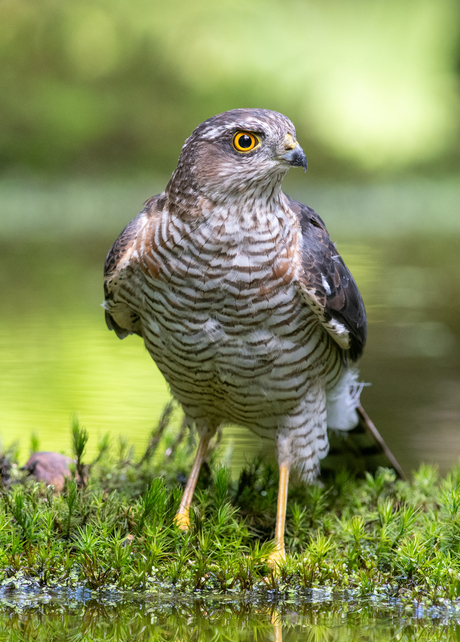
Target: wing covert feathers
{"points": [[328, 286]]}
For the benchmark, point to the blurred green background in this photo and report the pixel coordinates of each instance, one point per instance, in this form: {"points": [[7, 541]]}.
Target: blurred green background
{"points": [[96, 101], [372, 86]]}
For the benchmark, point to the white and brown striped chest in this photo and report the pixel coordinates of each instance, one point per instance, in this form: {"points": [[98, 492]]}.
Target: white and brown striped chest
{"points": [[222, 316]]}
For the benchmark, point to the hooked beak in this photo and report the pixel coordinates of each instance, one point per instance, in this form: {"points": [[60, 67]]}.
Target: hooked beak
{"points": [[294, 155]]}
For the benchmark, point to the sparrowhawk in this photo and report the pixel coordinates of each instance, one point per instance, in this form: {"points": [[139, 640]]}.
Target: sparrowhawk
{"points": [[241, 297]]}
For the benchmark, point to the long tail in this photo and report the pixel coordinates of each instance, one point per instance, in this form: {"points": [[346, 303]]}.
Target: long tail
{"points": [[360, 449]]}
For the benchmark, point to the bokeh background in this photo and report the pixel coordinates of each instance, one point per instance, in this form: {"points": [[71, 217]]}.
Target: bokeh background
{"points": [[96, 100]]}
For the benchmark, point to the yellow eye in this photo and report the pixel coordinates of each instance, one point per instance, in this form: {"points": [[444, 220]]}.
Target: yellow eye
{"points": [[245, 141]]}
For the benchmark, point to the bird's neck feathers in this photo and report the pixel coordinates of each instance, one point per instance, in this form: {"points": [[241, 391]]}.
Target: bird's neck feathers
{"points": [[191, 197]]}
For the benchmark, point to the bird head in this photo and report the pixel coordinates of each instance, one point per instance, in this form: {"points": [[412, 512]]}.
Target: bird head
{"points": [[240, 154]]}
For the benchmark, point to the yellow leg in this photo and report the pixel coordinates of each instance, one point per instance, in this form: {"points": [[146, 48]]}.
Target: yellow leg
{"points": [[182, 518], [279, 554], [277, 627]]}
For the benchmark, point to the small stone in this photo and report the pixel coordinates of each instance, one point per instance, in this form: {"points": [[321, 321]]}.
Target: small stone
{"points": [[51, 468]]}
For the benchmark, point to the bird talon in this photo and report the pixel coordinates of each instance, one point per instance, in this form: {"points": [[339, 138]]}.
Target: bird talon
{"points": [[182, 521], [277, 558]]}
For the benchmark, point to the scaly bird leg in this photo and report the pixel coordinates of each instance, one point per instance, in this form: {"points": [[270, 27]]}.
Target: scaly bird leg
{"points": [[279, 554], [182, 518]]}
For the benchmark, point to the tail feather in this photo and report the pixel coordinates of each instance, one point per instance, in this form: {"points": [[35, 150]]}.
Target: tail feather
{"points": [[360, 449]]}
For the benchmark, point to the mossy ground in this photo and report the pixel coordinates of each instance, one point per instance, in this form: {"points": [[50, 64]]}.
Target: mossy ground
{"points": [[112, 529]]}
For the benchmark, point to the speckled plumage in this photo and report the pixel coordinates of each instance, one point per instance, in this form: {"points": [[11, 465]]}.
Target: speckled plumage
{"points": [[239, 293]]}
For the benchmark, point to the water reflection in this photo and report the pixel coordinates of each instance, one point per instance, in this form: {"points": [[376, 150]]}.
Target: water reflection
{"points": [[312, 619], [58, 359]]}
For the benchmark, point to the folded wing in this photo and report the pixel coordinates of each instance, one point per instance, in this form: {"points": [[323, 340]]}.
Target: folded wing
{"points": [[122, 277], [328, 286]]}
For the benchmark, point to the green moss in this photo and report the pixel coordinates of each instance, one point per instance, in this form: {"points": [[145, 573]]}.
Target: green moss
{"points": [[112, 529]]}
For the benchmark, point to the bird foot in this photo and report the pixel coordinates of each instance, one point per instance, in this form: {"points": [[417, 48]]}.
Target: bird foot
{"points": [[182, 521], [277, 558]]}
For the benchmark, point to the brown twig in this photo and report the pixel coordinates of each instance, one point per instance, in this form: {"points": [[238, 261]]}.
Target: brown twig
{"points": [[157, 433]]}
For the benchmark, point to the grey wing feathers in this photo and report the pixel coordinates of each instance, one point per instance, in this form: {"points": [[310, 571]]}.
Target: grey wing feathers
{"points": [[326, 274]]}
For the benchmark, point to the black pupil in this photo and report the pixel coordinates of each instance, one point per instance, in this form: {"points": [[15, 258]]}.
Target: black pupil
{"points": [[245, 141]]}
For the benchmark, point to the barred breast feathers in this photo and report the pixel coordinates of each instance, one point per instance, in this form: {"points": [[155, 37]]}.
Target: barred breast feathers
{"points": [[325, 283]]}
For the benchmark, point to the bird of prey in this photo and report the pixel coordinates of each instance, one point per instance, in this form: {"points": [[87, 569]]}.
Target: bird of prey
{"points": [[241, 298]]}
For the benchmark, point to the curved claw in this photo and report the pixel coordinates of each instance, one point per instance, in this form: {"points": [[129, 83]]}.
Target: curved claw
{"points": [[182, 521], [277, 558]]}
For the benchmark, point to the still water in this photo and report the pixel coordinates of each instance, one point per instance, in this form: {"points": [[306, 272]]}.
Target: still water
{"points": [[312, 619], [401, 241]]}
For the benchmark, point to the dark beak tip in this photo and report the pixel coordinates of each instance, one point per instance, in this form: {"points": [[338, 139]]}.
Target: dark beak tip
{"points": [[296, 158], [304, 162], [300, 161]]}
